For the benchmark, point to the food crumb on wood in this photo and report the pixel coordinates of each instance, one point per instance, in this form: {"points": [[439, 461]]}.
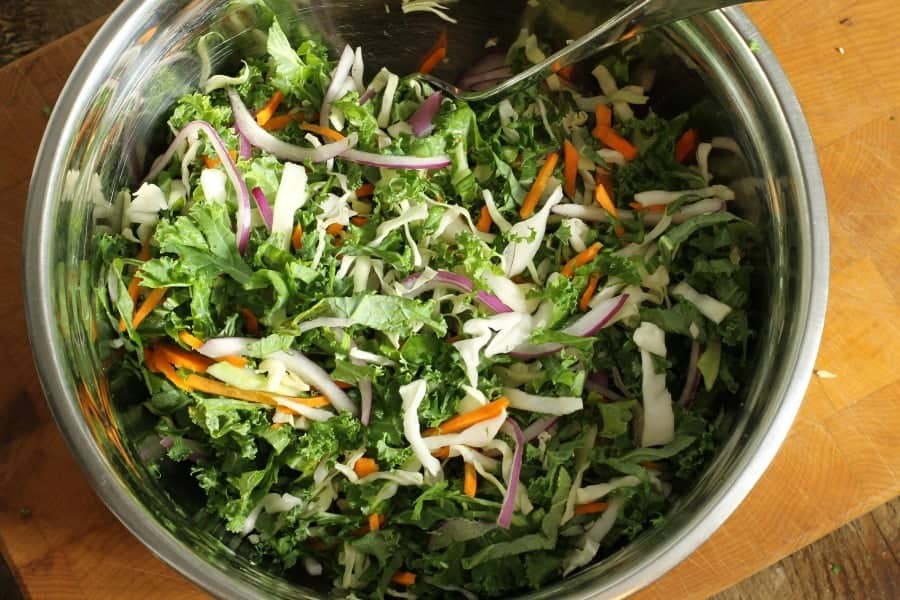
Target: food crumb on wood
{"points": [[840, 50], [754, 46], [823, 374], [24, 512], [491, 42], [835, 568], [845, 21]]}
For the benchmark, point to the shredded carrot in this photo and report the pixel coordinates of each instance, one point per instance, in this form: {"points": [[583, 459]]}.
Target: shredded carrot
{"points": [[211, 386], [182, 358], [437, 53], [359, 220], [404, 578], [570, 167], [591, 508], [581, 259], [147, 36], [163, 366], [537, 188], [442, 453], [484, 220], [589, 291], [297, 237], [266, 112], [566, 72], [605, 202], [604, 115], [211, 162], [343, 385], [620, 231], [366, 189], [650, 465], [325, 132], [134, 286], [608, 136], [470, 480], [686, 145], [655, 208], [375, 521], [150, 359], [234, 360], [279, 122], [150, 302], [251, 323], [466, 420], [365, 466], [189, 340], [334, 229]]}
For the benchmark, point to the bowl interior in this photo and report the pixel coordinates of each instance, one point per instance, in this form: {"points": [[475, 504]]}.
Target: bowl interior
{"points": [[107, 124]]}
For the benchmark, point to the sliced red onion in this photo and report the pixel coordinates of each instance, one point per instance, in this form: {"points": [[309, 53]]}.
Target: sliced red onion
{"points": [[538, 427], [245, 150], [512, 488], [422, 121], [315, 376], [367, 95], [265, 209], [242, 225], [493, 302], [225, 346], [693, 377], [603, 391], [365, 396], [586, 325], [459, 282], [261, 138], [341, 71], [386, 161]]}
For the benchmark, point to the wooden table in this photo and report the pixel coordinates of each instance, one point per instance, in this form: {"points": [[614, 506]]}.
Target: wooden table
{"points": [[840, 460]]}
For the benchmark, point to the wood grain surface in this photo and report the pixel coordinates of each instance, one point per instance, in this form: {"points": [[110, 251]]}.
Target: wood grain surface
{"points": [[840, 460]]}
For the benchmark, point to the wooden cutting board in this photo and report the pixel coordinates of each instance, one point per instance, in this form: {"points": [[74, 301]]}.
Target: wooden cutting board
{"points": [[841, 459]]}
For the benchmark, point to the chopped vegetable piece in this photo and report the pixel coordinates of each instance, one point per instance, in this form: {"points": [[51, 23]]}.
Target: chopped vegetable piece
{"points": [[297, 238], [404, 578], [251, 323], [466, 420], [611, 139], [585, 303], [266, 112], [190, 340], [437, 53], [581, 259], [325, 132], [365, 466], [603, 114], [686, 145], [537, 188], [570, 167], [591, 508], [484, 220], [365, 190], [470, 481], [153, 299], [601, 195]]}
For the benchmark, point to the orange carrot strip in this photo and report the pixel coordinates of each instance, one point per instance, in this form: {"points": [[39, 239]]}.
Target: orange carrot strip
{"points": [[656, 208], [686, 145], [189, 340], [470, 480], [279, 122], [581, 259], [211, 162], [437, 53], [234, 360], [251, 323], [168, 370], [404, 578], [589, 291], [442, 453], [611, 139], [366, 189], [266, 112], [603, 114], [182, 358], [537, 188], [297, 237], [604, 178], [150, 302], [343, 385], [375, 521], [605, 202], [570, 167], [147, 36], [484, 220], [566, 72], [326, 132], [591, 508], [365, 466], [466, 420], [359, 220], [650, 465], [134, 286], [216, 388], [334, 229]]}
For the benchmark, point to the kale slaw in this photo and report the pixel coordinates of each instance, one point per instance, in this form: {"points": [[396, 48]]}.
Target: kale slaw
{"points": [[412, 346]]}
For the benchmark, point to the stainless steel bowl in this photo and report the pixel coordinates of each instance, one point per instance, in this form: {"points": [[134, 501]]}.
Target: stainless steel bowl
{"points": [[102, 130]]}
